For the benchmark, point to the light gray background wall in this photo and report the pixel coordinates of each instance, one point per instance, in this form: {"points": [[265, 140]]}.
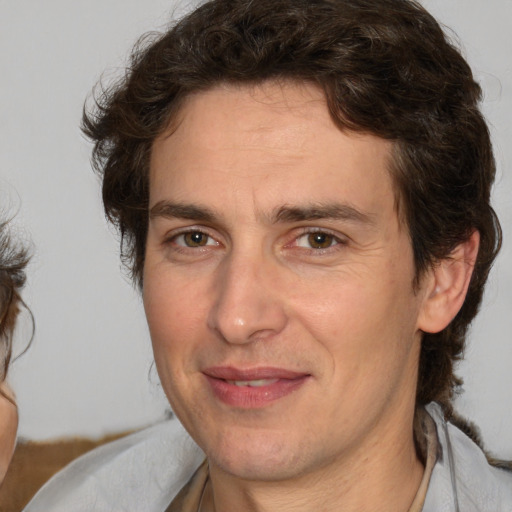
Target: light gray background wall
{"points": [[88, 371]]}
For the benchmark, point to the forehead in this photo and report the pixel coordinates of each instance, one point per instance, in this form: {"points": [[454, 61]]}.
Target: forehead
{"points": [[273, 141]]}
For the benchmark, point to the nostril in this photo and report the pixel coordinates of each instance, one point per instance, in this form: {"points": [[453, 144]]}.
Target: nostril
{"points": [[239, 325]]}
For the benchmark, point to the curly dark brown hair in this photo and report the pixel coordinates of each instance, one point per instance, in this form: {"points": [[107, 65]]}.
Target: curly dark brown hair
{"points": [[13, 261], [385, 67]]}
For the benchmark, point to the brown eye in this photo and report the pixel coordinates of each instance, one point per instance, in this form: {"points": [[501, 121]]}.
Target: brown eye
{"points": [[320, 240], [195, 239]]}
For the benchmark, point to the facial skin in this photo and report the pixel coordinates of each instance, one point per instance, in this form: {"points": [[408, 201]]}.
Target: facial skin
{"points": [[274, 250], [8, 428]]}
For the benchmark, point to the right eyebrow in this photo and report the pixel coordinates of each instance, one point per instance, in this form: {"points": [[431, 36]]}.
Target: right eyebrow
{"points": [[172, 210]]}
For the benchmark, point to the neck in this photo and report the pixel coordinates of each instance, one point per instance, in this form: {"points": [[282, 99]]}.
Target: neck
{"points": [[383, 475]]}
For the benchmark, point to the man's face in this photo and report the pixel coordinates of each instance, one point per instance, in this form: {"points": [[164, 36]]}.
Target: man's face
{"points": [[278, 284]]}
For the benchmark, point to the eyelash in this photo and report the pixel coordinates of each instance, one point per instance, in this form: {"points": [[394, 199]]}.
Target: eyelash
{"points": [[189, 231], [336, 242]]}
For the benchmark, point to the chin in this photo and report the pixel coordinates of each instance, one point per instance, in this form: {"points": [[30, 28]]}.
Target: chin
{"points": [[258, 456]]}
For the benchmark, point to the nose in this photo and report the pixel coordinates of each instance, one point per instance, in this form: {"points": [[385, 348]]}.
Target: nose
{"points": [[248, 303]]}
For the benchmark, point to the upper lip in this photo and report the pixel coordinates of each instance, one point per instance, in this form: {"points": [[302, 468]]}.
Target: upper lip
{"points": [[246, 374]]}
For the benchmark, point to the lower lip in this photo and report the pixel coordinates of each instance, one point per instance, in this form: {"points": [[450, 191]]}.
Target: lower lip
{"points": [[247, 397]]}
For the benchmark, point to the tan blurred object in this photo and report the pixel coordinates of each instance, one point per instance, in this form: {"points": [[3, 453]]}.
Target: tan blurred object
{"points": [[34, 463]]}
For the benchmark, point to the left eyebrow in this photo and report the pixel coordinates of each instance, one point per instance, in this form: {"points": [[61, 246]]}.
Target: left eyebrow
{"points": [[322, 211]]}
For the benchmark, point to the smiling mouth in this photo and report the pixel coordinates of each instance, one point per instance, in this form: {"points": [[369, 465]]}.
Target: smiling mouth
{"points": [[253, 388]]}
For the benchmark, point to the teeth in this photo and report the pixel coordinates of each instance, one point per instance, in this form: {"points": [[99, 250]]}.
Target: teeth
{"points": [[253, 383]]}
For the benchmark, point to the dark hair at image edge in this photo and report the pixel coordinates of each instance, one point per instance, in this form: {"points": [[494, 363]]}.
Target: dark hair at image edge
{"points": [[14, 258], [385, 67]]}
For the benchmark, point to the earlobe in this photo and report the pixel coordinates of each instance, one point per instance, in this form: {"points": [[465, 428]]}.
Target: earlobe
{"points": [[447, 285]]}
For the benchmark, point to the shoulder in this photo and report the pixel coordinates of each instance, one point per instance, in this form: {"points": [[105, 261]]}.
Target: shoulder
{"points": [[462, 478], [142, 472]]}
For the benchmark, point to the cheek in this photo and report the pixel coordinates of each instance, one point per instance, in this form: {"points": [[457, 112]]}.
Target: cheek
{"points": [[359, 321], [175, 314], [8, 428]]}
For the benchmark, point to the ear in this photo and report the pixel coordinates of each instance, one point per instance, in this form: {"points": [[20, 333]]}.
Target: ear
{"points": [[446, 285]]}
